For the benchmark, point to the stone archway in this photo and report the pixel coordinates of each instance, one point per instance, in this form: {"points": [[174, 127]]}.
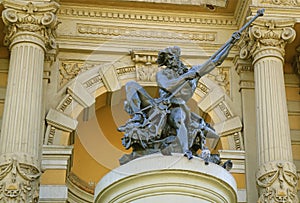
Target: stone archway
{"points": [[109, 78], [79, 103]]}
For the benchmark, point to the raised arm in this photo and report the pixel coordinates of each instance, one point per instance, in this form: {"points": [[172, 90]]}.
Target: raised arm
{"points": [[217, 58]]}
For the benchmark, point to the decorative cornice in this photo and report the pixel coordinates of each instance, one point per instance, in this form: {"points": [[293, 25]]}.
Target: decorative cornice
{"points": [[268, 37], [35, 21], [277, 182], [134, 16]]}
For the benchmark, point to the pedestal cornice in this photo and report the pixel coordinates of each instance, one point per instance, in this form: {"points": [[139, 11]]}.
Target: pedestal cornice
{"points": [[31, 21]]}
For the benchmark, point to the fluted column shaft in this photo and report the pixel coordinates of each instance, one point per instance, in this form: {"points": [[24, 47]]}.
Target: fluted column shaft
{"points": [[271, 109], [22, 118], [29, 35], [276, 177]]}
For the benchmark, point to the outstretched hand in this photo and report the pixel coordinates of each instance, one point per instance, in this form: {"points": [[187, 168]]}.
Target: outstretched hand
{"points": [[235, 36], [191, 74]]}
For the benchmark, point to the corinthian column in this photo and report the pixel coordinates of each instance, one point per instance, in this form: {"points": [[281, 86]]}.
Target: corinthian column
{"points": [[276, 177], [29, 34]]}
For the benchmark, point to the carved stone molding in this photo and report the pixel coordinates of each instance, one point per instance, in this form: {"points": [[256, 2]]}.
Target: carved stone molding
{"points": [[145, 65], [87, 187], [277, 182], [109, 14], [221, 77], [268, 37], [281, 2], [70, 69], [19, 182], [219, 3], [35, 21], [111, 31]]}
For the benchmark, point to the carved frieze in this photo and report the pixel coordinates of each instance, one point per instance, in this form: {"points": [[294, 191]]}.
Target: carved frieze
{"points": [[281, 2], [111, 31], [277, 182], [18, 181], [219, 3], [36, 21]]}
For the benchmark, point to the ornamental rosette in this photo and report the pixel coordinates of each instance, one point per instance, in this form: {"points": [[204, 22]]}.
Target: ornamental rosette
{"points": [[31, 19]]}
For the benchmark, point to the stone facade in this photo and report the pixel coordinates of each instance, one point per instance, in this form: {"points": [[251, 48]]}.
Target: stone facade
{"points": [[64, 64]]}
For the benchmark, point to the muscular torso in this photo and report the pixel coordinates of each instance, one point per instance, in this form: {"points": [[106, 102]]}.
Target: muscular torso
{"points": [[169, 81]]}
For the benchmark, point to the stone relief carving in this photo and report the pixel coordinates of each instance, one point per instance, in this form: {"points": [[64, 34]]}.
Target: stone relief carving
{"points": [[281, 2], [145, 65], [221, 76], [70, 69], [219, 3], [111, 31], [18, 181], [277, 182]]}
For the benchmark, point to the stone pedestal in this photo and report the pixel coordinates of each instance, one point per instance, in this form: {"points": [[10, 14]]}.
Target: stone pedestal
{"points": [[157, 178]]}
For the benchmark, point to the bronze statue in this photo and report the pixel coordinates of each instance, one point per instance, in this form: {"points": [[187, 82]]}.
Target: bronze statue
{"points": [[166, 124]]}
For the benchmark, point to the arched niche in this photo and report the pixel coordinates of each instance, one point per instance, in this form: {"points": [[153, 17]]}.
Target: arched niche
{"points": [[101, 89]]}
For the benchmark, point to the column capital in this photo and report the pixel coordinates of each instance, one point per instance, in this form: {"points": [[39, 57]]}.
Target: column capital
{"points": [[30, 21], [268, 37], [277, 182]]}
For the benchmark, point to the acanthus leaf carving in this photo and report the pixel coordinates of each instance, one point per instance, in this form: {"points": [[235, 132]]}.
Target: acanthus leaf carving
{"points": [[18, 181], [277, 182], [30, 18], [70, 69], [266, 33]]}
